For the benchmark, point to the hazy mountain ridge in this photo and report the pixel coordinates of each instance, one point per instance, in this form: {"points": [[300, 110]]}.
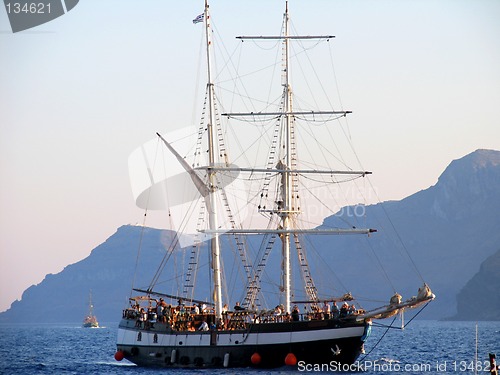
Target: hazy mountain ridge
{"points": [[448, 229], [480, 297], [108, 271], [474, 178]]}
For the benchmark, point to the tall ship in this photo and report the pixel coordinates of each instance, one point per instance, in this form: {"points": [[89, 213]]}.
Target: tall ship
{"points": [[250, 214], [90, 320]]}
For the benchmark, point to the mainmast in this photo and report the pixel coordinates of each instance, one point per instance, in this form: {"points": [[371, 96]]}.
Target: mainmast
{"points": [[287, 176], [286, 167], [212, 214]]}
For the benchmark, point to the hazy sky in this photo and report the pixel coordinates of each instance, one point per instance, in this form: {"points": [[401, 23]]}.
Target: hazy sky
{"points": [[79, 94]]}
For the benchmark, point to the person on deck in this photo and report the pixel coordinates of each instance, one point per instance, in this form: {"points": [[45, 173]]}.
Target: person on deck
{"points": [[159, 310], [196, 309], [143, 318], [326, 310], [335, 311], [352, 309], [344, 310], [295, 313], [237, 307], [203, 326]]}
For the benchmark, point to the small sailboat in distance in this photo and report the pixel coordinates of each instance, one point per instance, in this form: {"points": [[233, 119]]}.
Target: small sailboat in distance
{"points": [[90, 320]]}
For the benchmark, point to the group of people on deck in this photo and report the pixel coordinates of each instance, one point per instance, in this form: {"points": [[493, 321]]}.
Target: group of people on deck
{"points": [[166, 313], [327, 311], [202, 317], [333, 312]]}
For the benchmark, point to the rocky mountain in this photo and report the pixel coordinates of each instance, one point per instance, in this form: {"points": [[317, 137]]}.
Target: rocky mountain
{"points": [[442, 235], [108, 271], [447, 231], [480, 297]]}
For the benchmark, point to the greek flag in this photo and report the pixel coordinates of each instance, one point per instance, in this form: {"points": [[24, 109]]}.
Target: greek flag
{"points": [[199, 18]]}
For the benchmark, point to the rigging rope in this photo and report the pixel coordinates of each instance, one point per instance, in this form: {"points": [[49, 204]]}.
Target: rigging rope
{"points": [[141, 236], [397, 234], [391, 327]]}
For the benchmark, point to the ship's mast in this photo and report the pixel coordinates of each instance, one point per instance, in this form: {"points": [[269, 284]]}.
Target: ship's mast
{"points": [[286, 168], [287, 176], [212, 214], [91, 306]]}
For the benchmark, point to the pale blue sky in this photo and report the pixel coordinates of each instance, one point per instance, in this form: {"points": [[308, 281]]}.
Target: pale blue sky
{"points": [[79, 94]]}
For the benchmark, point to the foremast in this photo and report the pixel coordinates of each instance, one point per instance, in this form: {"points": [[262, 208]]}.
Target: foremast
{"points": [[212, 183]]}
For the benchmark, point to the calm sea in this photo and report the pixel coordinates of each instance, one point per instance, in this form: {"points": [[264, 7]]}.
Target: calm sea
{"points": [[428, 347]]}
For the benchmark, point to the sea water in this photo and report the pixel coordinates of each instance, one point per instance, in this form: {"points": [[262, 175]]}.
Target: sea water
{"points": [[423, 347]]}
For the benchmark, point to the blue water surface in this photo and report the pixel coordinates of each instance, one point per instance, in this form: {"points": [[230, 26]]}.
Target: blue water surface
{"points": [[429, 347]]}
